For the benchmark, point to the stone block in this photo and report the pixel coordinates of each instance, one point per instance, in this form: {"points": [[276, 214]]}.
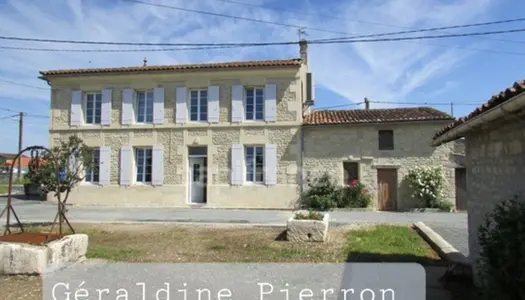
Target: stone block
{"points": [[66, 251], [22, 259], [307, 230]]}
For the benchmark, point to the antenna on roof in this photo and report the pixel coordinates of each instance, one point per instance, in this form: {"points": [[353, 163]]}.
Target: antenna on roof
{"points": [[145, 62], [301, 32]]}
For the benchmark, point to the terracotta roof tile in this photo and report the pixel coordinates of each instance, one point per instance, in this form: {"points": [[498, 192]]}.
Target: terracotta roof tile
{"points": [[517, 88], [203, 66], [357, 116]]}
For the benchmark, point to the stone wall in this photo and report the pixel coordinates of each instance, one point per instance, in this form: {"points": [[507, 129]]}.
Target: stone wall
{"points": [[174, 191], [495, 171], [327, 147]]}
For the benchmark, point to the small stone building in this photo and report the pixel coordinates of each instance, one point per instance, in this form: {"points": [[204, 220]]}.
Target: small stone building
{"points": [[495, 154], [378, 147]]}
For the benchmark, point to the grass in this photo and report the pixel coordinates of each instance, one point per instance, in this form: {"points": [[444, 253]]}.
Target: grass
{"points": [[3, 189], [170, 243], [184, 243]]}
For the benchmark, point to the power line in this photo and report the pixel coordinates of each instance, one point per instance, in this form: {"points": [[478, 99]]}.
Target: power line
{"points": [[23, 84], [25, 114], [434, 29], [387, 25], [321, 41], [116, 50], [8, 117]]}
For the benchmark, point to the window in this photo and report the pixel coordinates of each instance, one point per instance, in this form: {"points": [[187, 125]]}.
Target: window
{"points": [[92, 173], [143, 157], [93, 108], [196, 172], [351, 172], [254, 104], [144, 109], [254, 158], [386, 139], [199, 105]]}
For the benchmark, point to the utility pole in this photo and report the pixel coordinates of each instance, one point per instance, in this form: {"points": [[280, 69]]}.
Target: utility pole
{"points": [[20, 131], [452, 108], [301, 32]]}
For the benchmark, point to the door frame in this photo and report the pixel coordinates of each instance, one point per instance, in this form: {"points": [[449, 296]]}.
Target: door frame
{"points": [[189, 181]]}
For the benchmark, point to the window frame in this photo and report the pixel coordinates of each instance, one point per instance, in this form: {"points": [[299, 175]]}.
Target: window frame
{"points": [[90, 173], [136, 106], [390, 145], [358, 175], [94, 107], [253, 179], [199, 105], [254, 111], [143, 181]]}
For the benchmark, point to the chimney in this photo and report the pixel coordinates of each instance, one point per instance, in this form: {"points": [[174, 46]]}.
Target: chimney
{"points": [[303, 50], [145, 62], [367, 103]]}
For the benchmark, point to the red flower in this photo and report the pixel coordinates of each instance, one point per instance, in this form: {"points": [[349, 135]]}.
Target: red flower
{"points": [[354, 182]]}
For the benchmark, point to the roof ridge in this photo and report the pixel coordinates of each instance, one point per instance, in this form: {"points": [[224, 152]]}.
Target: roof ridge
{"points": [[184, 66]]}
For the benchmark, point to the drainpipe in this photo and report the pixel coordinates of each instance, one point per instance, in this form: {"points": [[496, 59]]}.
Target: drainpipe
{"points": [[301, 164]]}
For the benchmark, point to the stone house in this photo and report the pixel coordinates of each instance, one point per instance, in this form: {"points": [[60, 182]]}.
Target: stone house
{"points": [[219, 134], [494, 137], [378, 147]]}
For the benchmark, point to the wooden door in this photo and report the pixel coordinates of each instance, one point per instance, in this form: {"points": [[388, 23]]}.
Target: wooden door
{"points": [[387, 189]]}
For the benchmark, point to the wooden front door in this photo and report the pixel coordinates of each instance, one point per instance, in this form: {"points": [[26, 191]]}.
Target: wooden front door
{"points": [[461, 189], [387, 189]]}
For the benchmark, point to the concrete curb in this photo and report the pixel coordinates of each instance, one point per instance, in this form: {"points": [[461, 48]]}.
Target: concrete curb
{"points": [[440, 245]]}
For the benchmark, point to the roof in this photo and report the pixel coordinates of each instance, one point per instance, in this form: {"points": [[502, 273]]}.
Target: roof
{"points": [[10, 155], [517, 88], [359, 116], [204, 66]]}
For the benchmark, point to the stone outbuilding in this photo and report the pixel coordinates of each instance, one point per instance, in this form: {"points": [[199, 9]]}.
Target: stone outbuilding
{"points": [[495, 154], [378, 147]]}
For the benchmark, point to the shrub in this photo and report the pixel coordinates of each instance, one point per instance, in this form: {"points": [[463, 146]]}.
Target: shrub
{"points": [[354, 196], [502, 258], [427, 185], [324, 194], [310, 215]]}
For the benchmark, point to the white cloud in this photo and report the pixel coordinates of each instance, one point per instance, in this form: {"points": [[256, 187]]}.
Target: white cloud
{"points": [[382, 71]]}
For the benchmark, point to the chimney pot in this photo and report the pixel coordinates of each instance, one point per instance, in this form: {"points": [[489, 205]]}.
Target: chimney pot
{"points": [[367, 103], [303, 51]]}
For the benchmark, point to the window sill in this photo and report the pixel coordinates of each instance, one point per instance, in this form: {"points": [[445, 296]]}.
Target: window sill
{"points": [[261, 184], [87, 183]]}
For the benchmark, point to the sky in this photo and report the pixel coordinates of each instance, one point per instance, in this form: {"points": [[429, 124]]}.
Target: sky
{"points": [[465, 71]]}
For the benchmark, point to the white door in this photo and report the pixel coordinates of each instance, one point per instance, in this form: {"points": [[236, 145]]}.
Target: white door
{"points": [[196, 179]]}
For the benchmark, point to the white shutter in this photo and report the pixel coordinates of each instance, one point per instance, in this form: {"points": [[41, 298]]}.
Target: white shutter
{"points": [[126, 153], [180, 104], [76, 108], [72, 162], [270, 102], [104, 165], [237, 103], [105, 118], [270, 164], [157, 176], [127, 106], [158, 105], [213, 104], [236, 167]]}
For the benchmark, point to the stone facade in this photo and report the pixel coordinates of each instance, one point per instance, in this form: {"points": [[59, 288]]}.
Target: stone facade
{"points": [[175, 138], [327, 147], [495, 170]]}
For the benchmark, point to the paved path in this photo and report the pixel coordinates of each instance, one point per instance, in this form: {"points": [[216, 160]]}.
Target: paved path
{"points": [[453, 227]]}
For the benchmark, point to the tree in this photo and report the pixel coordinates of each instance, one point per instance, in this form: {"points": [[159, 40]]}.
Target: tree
{"points": [[68, 162]]}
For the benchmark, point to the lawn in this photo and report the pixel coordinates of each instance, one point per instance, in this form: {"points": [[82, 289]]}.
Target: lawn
{"points": [[3, 189], [170, 243]]}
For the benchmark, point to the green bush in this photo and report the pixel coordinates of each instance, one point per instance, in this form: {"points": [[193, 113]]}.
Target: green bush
{"points": [[310, 215], [427, 185], [324, 194], [502, 257], [354, 196]]}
